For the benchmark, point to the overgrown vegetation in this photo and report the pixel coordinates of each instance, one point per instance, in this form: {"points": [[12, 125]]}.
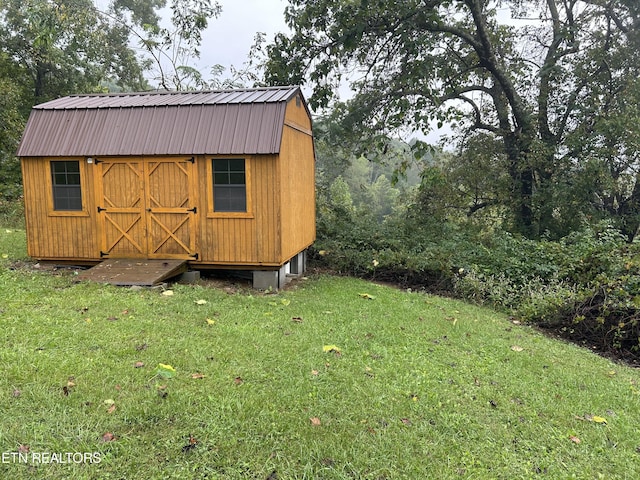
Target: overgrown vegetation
{"points": [[333, 378], [585, 286], [422, 230]]}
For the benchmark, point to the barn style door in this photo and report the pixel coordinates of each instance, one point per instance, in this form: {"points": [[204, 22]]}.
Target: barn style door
{"points": [[170, 209], [147, 208]]}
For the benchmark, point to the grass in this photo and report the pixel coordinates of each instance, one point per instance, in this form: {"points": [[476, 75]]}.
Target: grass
{"points": [[412, 386]]}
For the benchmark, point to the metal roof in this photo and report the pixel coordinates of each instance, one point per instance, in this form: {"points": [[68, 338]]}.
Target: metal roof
{"points": [[227, 122]]}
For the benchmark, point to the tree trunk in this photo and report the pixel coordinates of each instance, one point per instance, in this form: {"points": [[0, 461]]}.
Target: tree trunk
{"points": [[629, 213], [517, 147], [39, 82]]}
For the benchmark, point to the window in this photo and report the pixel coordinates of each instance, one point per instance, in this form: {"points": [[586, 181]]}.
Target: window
{"points": [[229, 185], [65, 178]]}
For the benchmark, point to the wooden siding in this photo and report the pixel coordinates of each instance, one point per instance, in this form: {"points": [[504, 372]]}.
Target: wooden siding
{"points": [[241, 238], [58, 235], [297, 186]]}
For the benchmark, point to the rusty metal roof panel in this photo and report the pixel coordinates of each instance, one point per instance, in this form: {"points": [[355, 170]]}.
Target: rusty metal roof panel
{"points": [[248, 121]]}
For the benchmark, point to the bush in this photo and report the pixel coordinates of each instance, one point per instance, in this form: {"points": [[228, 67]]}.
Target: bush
{"points": [[585, 287], [12, 213]]}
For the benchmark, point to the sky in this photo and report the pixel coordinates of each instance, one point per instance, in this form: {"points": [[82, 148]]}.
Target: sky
{"points": [[229, 37]]}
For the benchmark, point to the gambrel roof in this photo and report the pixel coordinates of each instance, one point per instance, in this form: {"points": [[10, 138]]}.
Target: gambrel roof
{"points": [[224, 122]]}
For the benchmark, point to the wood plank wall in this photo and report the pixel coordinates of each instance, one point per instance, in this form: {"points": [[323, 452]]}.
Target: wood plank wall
{"points": [[297, 189], [241, 239], [52, 234]]}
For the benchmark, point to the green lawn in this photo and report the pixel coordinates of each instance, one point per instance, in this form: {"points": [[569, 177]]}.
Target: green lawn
{"points": [[317, 381]]}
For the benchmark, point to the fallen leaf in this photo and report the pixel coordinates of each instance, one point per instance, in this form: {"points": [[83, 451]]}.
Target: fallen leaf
{"points": [[598, 419], [141, 347], [109, 402], [111, 409], [201, 302], [315, 373], [285, 301], [210, 322], [167, 293], [574, 439], [165, 371], [138, 365], [193, 443], [24, 448], [366, 296], [238, 381], [517, 348], [331, 349], [16, 393], [197, 376], [315, 421], [297, 319], [108, 437], [406, 421], [4, 255]]}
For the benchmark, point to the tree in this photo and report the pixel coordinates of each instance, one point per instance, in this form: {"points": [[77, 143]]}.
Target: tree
{"points": [[65, 47], [11, 124], [71, 46], [535, 80], [52, 48], [171, 49]]}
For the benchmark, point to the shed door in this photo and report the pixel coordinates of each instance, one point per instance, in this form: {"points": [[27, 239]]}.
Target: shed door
{"points": [[147, 209]]}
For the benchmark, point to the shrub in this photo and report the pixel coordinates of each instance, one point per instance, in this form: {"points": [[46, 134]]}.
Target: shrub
{"points": [[585, 286]]}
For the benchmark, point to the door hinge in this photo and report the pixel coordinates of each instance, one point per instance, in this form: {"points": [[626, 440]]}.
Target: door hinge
{"points": [[194, 209], [102, 254], [192, 160], [194, 256], [100, 209]]}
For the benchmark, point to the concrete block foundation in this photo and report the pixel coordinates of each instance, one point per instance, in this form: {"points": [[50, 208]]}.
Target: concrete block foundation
{"points": [[277, 279]]}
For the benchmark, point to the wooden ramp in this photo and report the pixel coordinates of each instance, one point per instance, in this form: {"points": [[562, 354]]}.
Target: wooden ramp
{"points": [[123, 271]]}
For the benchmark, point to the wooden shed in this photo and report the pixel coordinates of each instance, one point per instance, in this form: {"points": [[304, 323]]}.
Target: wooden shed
{"points": [[217, 179]]}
